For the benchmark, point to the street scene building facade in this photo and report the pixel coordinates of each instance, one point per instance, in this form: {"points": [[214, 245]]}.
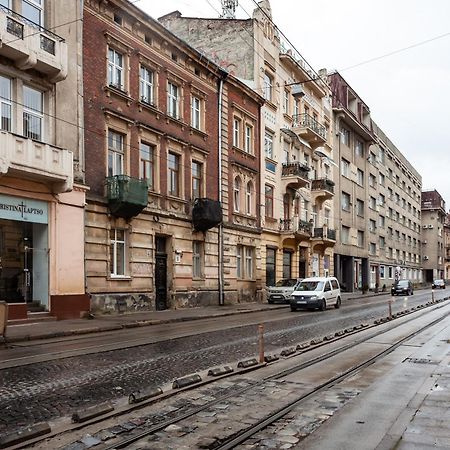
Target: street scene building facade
{"points": [[190, 170], [377, 200], [42, 194], [433, 235], [296, 176]]}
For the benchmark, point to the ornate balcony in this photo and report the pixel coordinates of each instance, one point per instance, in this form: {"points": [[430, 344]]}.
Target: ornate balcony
{"points": [[206, 214], [33, 160], [127, 196], [31, 46], [322, 189], [323, 237], [295, 228], [309, 129], [294, 175]]}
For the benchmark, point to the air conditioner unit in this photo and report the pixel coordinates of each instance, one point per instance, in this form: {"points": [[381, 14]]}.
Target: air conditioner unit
{"points": [[425, 258]]}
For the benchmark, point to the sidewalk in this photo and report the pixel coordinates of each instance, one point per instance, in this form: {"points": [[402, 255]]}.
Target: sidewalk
{"points": [[55, 329]]}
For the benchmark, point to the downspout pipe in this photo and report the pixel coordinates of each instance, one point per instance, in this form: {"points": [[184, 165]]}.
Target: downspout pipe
{"points": [[220, 178]]}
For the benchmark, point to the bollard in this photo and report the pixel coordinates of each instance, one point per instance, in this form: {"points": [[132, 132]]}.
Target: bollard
{"points": [[390, 308], [432, 295], [261, 342]]}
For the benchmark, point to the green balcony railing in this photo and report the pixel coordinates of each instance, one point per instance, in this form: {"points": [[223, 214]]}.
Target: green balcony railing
{"points": [[127, 196]]}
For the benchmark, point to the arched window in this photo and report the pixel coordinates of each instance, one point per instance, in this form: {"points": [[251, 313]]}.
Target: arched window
{"points": [[248, 198], [237, 194]]}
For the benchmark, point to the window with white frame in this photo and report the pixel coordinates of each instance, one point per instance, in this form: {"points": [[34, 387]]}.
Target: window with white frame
{"points": [[345, 201], [174, 174], [33, 11], [146, 85], [33, 113], [268, 144], [196, 106], [245, 261], [248, 139], [197, 180], [115, 153], [267, 87], [147, 164], [345, 168], [117, 252], [248, 198], [237, 194], [345, 136], [5, 103], [197, 259], [115, 69], [173, 100], [236, 132], [296, 107]]}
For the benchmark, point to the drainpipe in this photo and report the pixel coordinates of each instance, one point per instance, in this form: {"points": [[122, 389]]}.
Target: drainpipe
{"points": [[220, 237]]}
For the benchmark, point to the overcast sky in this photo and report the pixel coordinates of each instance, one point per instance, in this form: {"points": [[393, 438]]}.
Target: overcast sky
{"points": [[408, 92]]}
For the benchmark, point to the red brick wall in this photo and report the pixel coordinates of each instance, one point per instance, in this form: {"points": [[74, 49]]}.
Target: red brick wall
{"points": [[96, 100]]}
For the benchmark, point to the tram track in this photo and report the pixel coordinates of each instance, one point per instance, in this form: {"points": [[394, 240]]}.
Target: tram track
{"points": [[238, 438]]}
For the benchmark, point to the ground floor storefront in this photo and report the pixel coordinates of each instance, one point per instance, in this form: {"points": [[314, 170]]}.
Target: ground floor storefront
{"points": [[42, 250]]}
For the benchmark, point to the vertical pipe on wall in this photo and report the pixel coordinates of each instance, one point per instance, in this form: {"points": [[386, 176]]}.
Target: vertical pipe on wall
{"points": [[220, 237]]}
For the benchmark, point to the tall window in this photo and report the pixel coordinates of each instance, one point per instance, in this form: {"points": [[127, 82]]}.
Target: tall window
{"points": [[345, 232], [147, 164], [248, 252], [296, 107], [115, 69], [117, 252], [286, 102], [268, 144], [32, 10], [345, 201], [146, 85], [359, 148], [173, 100], [174, 174], [115, 153], [287, 264], [267, 87], [5, 103], [359, 207], [236, 132], [196, 179], [345, 168], [33, 113], [269, 200], [197, 259], [248, 139], [248, 198], [237, 194], [360, 238], [360, 175], [196, 112], [345, 136]]}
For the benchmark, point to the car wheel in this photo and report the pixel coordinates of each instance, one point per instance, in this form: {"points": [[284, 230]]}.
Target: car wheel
{"points": [[270, 302], [293, 308], [323, 305], [337, 305]]}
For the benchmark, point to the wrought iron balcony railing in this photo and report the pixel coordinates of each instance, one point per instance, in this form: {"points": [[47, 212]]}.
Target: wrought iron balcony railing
{"points": [[323, 184], [307, 121], [295, 168]]}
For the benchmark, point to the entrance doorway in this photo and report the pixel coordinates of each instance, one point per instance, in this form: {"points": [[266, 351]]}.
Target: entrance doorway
{"points": [[23, 262], [161, 273]]}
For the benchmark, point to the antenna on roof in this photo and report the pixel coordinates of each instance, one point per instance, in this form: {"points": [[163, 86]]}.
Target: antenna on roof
{"points": [[229, 9]]}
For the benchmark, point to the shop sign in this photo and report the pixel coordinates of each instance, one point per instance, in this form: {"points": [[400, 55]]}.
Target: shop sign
{"points": [[23, 209]]}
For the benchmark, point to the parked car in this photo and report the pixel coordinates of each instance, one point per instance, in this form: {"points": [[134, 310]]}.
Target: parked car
{"points": [[282, 291], [316, 292], [402, 287], [438, 284]]}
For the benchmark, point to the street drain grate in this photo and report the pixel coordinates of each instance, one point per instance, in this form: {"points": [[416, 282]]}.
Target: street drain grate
{"points": [[420, 361]]}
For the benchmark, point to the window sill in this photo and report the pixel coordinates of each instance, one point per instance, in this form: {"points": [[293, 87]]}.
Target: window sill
{"points": [[176, 199], [243, 152], [201, 133], [270, 104], [120, 277], [149, 106], [118, 92]]}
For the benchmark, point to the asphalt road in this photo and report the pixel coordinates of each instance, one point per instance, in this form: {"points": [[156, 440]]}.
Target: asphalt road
{"points": [[53, 378]]}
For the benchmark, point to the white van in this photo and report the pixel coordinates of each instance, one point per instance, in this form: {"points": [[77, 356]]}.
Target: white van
{"points": [[316, 292]]}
